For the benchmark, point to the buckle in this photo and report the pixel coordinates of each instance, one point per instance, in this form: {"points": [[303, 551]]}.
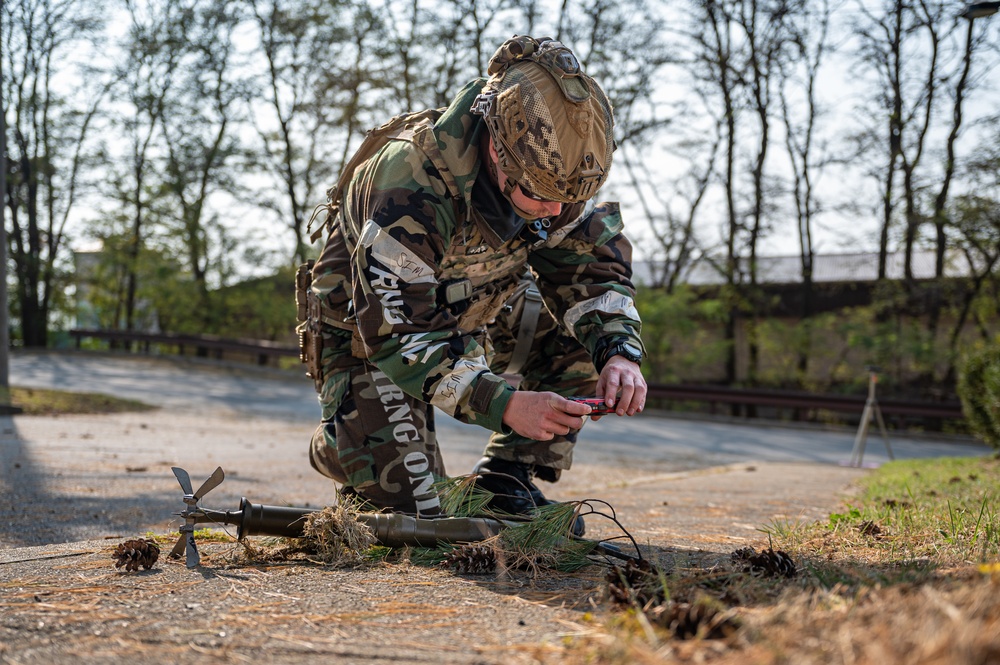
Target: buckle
{"points": [[457, 291], [589, 180], [483, 102]]}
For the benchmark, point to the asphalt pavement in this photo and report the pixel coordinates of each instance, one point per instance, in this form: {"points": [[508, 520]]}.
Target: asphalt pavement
{"points": [[74, 477], [206, 387]]}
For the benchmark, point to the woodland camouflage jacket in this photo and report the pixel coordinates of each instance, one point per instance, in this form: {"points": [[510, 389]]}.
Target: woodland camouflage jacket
{"points": [[412, 232]]}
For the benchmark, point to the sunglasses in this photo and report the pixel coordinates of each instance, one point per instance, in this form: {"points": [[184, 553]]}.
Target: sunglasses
{"points": [[531, 195], [527, 193]]}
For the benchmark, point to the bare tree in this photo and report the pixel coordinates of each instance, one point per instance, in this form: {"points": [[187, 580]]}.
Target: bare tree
{"points": [[717, 70], [925, 54], [914, 50], [603, 34], [674, 210], [766, 32], [963, 85], [144, 78], [198, 121], [4, 308], [973, 231], [881, 48], [404, 39], [361, 93], [800, 112], [976, 225], [314, 52], [464, 35], [49, 133]]}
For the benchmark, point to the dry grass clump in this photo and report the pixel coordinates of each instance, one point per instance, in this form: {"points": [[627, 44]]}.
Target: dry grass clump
{"points": [[952, 621], [336, 535], [332, 536], [949, 620]]}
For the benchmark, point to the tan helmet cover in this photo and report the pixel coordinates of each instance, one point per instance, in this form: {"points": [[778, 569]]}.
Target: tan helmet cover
{"points": [[551, 124]]}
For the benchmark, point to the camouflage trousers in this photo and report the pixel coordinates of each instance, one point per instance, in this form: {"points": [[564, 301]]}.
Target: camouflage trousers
{"points": [[380, 442]]}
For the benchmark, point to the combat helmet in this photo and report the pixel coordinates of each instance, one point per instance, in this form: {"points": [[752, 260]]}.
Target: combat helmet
{"points": [[551, 124]]}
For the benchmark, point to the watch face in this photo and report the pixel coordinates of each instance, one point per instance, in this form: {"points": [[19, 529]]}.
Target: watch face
{"points": [[632, 350]]}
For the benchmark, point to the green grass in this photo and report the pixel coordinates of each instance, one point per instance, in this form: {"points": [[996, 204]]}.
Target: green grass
{"points": [[947, 509], [42, 402]]}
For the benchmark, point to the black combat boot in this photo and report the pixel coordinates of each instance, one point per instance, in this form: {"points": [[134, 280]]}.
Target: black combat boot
{"points": [[514, 493]]}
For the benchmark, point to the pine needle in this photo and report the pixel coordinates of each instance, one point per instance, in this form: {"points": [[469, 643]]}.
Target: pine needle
{"points": [[427, 556], [461, 497], [544, 542]]}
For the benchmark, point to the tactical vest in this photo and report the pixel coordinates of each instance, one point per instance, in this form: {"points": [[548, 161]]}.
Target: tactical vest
{"points": [[475, 279]]}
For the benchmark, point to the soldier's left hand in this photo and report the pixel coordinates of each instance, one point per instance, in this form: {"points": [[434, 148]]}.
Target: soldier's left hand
{"points": [[621, 375]]}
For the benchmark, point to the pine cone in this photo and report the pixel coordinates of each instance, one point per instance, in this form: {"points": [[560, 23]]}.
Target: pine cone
{"points": [[637, 581], [687, 621], [472, 558], [769, 562], [137, 552]]}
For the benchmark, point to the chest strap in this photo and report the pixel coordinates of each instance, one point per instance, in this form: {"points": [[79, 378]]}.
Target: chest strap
{"points": [[526, 329]]}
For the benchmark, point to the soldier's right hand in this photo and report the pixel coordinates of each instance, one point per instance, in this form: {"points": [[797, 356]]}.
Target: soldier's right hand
{"points": [[543, 415]]}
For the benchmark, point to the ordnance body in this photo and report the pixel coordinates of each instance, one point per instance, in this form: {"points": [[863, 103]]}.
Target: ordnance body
{"points": [[389, 529]]}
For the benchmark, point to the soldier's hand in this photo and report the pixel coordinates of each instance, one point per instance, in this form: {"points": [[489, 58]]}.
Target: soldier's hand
{"points": [[543, 415], [622, 375]]}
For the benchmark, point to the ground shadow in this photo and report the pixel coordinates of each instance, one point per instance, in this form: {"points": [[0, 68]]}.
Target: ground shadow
{"points": [[38, 514]]}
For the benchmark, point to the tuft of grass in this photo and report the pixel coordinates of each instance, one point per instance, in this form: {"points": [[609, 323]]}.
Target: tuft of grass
{"points": [[43, 402], [338, 536]]}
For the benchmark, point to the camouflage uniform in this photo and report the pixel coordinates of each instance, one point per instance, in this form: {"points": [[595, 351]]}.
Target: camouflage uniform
{"points": [[414, 235]]}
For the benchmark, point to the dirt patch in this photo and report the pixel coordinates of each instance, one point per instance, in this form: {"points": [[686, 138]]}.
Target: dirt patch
{"points": [[68, 601], [71, 603]]}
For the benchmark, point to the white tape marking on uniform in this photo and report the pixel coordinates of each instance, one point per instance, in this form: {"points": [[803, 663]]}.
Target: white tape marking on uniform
{"points": [[609, 302], [457, 383], [414, 344], [407, 266]]}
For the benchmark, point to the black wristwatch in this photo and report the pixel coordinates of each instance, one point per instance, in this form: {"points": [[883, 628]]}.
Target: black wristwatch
{"points": [[622, 348]]}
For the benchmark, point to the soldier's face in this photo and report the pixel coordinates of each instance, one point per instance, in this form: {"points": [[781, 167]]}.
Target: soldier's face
{"points": [[524, 204]]}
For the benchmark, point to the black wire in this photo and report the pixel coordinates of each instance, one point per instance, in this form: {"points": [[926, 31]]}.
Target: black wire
{"points": [[614, 518]]}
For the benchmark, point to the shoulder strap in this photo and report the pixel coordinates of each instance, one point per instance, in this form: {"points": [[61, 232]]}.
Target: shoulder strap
{"points": [[526, 329], [374, 141]]}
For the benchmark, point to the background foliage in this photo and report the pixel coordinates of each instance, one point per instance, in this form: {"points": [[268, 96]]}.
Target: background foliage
{"points": [[979, 388], [160, 153]]}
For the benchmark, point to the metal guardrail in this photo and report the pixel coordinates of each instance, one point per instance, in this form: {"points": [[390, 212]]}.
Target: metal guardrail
{"points": [[801, 400], [712, 395], [263, 350]]}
